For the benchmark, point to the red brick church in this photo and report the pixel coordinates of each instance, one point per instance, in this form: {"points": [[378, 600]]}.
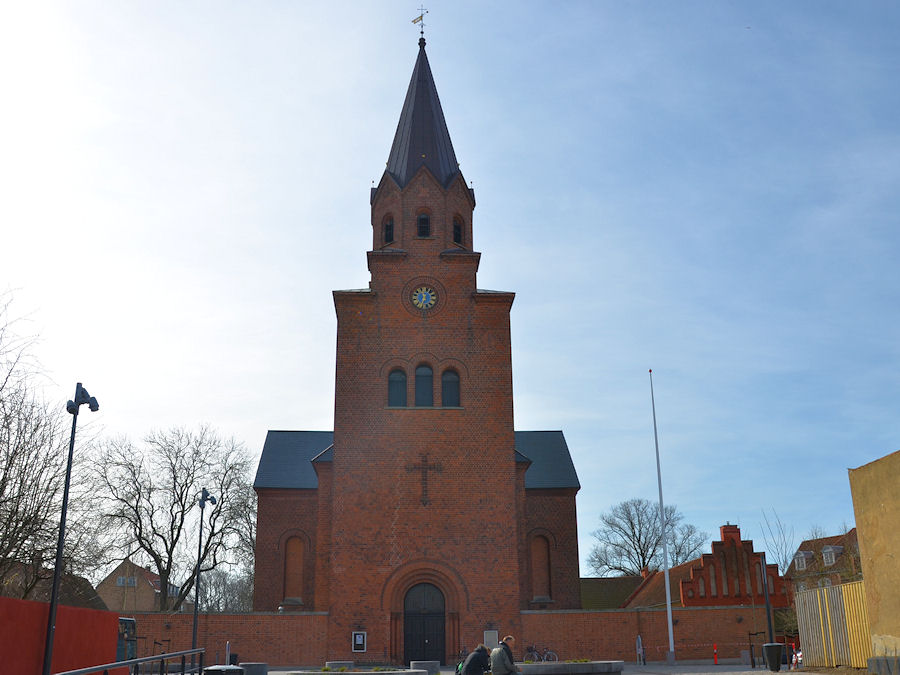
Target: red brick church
{"points": [[424, 519]]}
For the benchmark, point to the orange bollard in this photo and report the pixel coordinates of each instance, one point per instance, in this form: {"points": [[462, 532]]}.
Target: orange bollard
{"points": [[715, 654]]}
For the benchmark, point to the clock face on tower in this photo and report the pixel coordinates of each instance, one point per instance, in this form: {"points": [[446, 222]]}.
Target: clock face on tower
{"points": [[424, 297]]}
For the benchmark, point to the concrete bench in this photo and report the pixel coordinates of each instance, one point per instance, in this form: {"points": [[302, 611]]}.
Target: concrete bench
{"points": [[430, 667]]}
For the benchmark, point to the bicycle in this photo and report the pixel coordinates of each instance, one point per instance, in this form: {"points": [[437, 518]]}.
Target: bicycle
{"points": [[532, 655], [462, 658]]}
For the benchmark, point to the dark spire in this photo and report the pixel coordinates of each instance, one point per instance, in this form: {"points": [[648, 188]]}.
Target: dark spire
{"points": [[422, 137]]}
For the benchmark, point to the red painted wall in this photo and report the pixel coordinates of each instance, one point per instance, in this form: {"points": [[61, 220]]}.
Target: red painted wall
{"points": [[83, 637]]}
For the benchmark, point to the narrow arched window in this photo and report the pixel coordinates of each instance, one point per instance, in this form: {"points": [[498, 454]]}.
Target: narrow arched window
{"points": [[293, 570], [397, 389], [388, 230], [540, 568], [450, 389], [457, 231], [423, 225], [424, 390]]}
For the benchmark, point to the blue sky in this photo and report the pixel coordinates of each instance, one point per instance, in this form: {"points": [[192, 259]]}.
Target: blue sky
{"points": [[708, 189]]}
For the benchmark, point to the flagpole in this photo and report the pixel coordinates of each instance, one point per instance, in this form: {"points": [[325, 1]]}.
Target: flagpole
{"points": [[670, 656]]}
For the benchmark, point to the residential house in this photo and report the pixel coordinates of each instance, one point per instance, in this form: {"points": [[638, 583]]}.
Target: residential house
{"points": [[132, 588], [826, 561], [31, 582]]}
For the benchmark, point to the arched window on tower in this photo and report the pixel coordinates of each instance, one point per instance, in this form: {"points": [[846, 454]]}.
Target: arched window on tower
{"points": [[450, 389], [293, 570], [388, 230], [457, 230], [540, 569], [424, 387], [423, 225], [397, 389]]}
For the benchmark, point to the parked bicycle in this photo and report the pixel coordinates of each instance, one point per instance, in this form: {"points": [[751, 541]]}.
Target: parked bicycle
{"points": [[532, 655], [462, 658]]}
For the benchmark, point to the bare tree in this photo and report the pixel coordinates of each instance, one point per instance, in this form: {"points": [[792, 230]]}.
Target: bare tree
{"points": [[780, 541], [150, 498], [816, 532], [630, 539], [230, 588], [32, 471], [32, 465], [227, 590]]}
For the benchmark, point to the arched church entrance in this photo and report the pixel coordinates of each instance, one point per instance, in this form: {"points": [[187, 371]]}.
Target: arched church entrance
{"points": [[423, 624]]}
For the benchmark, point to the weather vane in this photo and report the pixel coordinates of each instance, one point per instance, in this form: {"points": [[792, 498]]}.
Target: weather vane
{"points": [[421, 20]]}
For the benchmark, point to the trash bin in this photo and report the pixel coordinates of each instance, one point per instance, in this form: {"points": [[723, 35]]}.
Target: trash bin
{"points": [[223, 670], [772, 653]]}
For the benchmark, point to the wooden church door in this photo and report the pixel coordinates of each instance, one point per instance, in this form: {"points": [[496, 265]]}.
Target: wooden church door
{"points": [[423, 624]]}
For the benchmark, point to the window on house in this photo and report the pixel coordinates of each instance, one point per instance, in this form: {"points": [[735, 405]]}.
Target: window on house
{"points": [[828, 557], [120, 581], [132, 581], [457, 231], [800, 561], [450, 389], [423, 225], [801, 586], [825, 582], [397, 389], [424, 387], [388, 230]]}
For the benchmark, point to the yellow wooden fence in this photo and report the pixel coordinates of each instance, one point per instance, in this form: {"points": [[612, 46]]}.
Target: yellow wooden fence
{"points": [[834, 627]]}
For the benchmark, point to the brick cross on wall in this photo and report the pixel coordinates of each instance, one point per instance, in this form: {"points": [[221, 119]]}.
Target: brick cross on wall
{"points": [[424, 467]]}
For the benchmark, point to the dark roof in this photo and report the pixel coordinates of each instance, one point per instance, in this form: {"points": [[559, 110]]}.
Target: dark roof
{"points": [[551, 463], [287, 459], [607, 592], [422, 137]]}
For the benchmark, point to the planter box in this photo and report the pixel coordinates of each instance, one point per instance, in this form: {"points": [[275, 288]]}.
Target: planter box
{"points": [[561, 668]]}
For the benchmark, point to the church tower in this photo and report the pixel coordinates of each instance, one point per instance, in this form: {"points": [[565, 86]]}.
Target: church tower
{"points": [[424, 519], [424, 447]]}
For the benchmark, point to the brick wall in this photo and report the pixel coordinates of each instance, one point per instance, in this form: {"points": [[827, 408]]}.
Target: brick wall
{"points": [[611, 635], [293, 640], [282, 514], [287, 640], [551, 514]]}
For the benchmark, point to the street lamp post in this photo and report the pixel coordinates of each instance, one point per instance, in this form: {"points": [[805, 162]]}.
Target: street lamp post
{"points": [[204, 497], [81, 397]]}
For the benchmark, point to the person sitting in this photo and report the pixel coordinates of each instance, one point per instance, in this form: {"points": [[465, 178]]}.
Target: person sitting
{"points": [[477, 662], [502, 661]]}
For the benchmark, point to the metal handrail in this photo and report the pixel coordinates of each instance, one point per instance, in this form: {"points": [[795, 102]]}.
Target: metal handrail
{"points": [[133, 662]]}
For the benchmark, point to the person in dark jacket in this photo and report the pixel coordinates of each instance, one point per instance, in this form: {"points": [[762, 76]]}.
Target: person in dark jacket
{"points": [[477, 662], [502, 661]]}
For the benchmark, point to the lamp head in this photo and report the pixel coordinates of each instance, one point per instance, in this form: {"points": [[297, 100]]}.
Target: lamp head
{"points": [[206, 497], [82, 396]]}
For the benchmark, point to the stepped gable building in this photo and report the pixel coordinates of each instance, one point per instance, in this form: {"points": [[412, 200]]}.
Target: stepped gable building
{"points": [[424, 519], [732, 574]]}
